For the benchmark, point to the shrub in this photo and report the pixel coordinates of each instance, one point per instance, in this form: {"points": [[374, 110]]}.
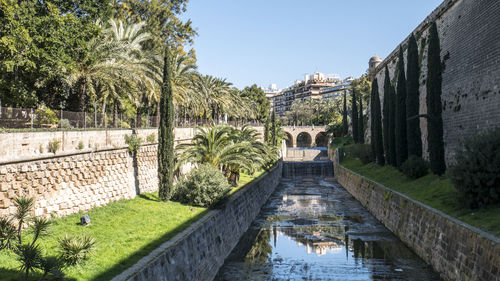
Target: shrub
{"points": [[64, 123], [123, 124], [415, 167], [133, 142], [203, 187], [476, 173], [45, 116], [75, 250], [80, 145], [54, 145], [361, 151], [151, 138]]}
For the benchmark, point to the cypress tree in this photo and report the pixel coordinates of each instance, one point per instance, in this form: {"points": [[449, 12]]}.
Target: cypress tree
{"points": [[392, 124], [354, 117], [166, 134], [345, 129], [274, 140], [434, 118], [401, 139], [377, 140], [387, 117], [412, 100], [266, 130], [361, 133]]}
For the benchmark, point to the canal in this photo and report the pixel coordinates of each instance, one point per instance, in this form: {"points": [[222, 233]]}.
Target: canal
{"points": [[313, 229]]}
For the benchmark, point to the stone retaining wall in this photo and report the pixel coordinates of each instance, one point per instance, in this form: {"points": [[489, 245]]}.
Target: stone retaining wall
{"points": [[456, 250], [63, 185], [199, 251]]}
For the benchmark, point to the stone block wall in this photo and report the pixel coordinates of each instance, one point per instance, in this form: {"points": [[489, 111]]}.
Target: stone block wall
{"points": [[199, 251], [470, 49], [29, 145], [147, 168], [457, 251], [78, 182]]}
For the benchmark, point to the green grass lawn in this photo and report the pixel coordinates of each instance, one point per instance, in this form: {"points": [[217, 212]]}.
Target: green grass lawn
{"points": [[431, 190], [125, 231]]}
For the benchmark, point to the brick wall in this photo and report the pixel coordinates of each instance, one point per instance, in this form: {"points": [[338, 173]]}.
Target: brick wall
{"points": [[470, 47]]}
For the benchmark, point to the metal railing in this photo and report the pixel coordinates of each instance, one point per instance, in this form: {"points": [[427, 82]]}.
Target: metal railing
{"points": [[45, 118]]}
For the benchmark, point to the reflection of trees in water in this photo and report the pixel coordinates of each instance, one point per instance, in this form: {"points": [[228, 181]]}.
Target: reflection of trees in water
{"points": [[261, 248]]}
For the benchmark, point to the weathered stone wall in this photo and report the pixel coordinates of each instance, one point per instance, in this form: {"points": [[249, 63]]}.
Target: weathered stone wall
{"points": [[78, 182], [198, 252], [454, 249], [28, 145], [470, 48]]}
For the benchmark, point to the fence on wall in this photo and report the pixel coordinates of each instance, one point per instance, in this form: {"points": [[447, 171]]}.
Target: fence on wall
{"points": [[44, 118]]}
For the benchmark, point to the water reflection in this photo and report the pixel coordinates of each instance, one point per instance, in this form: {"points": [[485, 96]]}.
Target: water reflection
{"points": [[312, 229]]}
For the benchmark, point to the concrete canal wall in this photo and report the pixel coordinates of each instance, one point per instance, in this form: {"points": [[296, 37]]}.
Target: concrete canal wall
{"points": [[457, 251], [199, 251]]}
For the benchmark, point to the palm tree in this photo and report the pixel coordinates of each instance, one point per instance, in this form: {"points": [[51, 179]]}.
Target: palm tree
{"points": [[107, 62], [228, 148]]}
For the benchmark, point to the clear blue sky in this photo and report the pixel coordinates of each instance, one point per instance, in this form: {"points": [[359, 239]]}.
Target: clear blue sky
{"points": [[278, 41]]}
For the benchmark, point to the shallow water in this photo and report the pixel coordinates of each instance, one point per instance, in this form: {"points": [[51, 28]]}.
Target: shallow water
{"points": [[312, 229]]}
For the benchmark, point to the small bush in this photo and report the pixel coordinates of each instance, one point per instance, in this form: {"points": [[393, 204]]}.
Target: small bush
{"points": [[203, 187], [75, 250], [40, 148], [476, 173], [64, 123], [54, 145], [361, 151], [415, 167], [123, 124], [133, 142], [151, 138], [80, 145], [45, 116]]}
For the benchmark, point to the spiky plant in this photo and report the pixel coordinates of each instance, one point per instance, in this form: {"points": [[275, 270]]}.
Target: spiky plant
{"points": [[74, 250]]}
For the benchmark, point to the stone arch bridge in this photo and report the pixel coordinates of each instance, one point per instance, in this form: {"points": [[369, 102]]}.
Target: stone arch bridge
{"points": [[305, 136]]}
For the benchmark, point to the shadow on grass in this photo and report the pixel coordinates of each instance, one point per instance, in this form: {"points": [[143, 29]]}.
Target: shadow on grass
{"points": [[144, 251], [16, 275]]}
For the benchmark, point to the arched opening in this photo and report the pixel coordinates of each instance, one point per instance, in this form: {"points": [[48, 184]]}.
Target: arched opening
{"points": [[304, 140], [321, 139], [288, 140]]}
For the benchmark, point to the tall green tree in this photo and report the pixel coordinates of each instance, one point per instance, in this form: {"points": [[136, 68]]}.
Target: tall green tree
{"points": [[361, 133], [376, 125], [345, 128], [354, 118], [434, 107], [266, 129], [388, 121], [401, 137], [412, 99], [166, 134], [257, 95], [274, 137]]}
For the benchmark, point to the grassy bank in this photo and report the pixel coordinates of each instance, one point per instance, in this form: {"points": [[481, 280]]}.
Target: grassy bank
{"points": [[125, 231], [431, 190]]}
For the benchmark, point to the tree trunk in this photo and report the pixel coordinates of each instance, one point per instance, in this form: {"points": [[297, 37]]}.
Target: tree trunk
{"points": [[115, 113], [82, 84]]}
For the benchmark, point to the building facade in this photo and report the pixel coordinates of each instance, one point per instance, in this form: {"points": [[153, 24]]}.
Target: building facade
{"points": [[315, 86]]}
